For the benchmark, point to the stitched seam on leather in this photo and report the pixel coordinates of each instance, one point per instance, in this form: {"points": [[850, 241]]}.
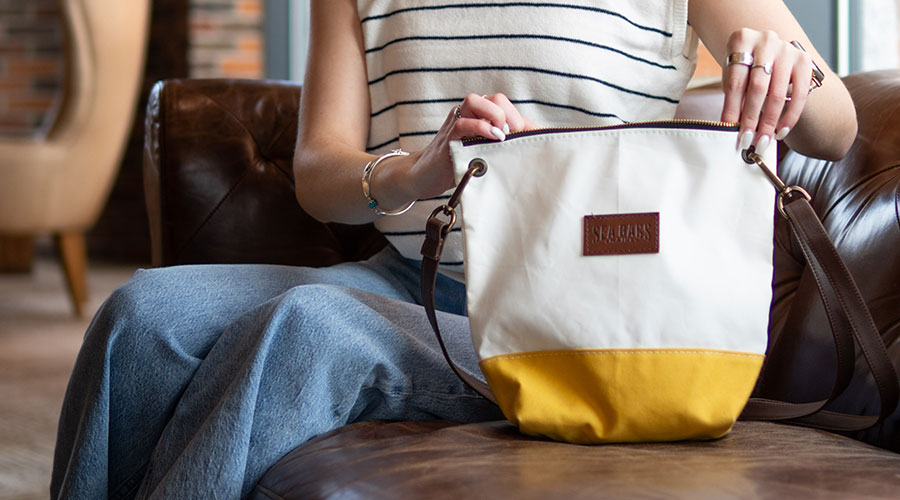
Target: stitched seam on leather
{"points": [[256, 142], [234, 186], [267, 492], [828, 309], [856, 297], [273, 163], [227, 111], [212, 212]]}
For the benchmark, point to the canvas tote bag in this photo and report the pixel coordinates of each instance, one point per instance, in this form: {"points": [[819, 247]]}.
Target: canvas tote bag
{"points": [[618, 278]]}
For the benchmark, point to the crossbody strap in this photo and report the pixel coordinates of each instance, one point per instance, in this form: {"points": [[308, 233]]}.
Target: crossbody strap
{"points": [[435, 240], [848, 316], [846, 310]]}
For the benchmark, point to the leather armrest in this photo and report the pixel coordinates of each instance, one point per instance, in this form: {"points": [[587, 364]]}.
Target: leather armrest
{"points": [[219, 183]]}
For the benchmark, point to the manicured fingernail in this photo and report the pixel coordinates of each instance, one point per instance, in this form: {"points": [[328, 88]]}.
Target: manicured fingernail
{"points": [[745, 140], [782, 134], [763, 144], [506, 128], [498, 134]]}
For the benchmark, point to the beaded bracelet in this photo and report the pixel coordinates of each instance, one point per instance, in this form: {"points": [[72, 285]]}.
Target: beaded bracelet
{"points": [[367, 180]]}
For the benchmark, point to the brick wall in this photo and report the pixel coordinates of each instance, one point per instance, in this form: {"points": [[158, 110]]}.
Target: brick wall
{"points": [[226, 38], [31, 65]]}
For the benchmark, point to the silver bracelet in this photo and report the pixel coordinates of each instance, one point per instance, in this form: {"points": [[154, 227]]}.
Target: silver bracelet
{"points": [[367, 182]]}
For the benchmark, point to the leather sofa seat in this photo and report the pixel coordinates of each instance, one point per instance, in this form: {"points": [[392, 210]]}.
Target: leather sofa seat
{"points": [[440, 459]]}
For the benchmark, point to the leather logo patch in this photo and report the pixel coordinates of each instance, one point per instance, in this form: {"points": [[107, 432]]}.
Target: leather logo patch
{"points": [[621, 234]]}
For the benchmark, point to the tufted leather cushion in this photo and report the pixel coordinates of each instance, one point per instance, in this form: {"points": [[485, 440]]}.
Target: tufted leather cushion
{"points": [[219, 184]]}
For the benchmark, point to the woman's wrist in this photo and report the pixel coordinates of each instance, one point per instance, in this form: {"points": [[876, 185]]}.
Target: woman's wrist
{"points": [[368, 172], [389, 183]]}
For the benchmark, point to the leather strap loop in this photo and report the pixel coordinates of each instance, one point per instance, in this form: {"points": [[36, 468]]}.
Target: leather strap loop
{"points": [[436, 231], [435, 234]]}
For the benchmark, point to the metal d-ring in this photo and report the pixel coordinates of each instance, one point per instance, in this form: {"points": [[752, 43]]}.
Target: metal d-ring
{"points": [[750, 156], [448, 211], [787, 191]]}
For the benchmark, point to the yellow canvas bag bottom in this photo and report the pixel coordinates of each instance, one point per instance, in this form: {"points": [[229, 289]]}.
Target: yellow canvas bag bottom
{"points": [[596, 396]]}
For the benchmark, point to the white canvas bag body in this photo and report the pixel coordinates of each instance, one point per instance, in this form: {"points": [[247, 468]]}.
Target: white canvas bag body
{"points": [[618, 279]]}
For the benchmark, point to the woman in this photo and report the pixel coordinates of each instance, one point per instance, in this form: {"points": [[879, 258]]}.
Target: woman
{"points": [[192, 381]]}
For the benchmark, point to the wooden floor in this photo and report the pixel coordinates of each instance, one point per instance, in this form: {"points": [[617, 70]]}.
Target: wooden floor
{"points": [[39, 339]]}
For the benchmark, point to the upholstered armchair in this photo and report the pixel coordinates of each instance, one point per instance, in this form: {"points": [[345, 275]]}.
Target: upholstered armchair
{"points": [[220, 189], [57, 183]]}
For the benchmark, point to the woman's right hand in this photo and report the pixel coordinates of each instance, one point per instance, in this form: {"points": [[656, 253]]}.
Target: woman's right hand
{"points": [[333, 129], [489, 116]]}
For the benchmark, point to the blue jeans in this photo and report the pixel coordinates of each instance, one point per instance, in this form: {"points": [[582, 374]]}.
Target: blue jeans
{"points": [[192, 381]]}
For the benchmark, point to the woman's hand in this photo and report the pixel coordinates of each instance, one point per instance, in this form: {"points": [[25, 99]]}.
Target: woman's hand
{"points": [[334, 126], [821, 124], [762, 71], [488, 116]]}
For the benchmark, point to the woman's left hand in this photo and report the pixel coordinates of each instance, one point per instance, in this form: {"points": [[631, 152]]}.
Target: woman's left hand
{"points": [[761, 73], [755, 91]]}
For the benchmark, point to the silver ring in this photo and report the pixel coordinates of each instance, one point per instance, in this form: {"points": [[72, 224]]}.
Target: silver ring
{"points": [[765, 67], [742, 58], [457, 111]]}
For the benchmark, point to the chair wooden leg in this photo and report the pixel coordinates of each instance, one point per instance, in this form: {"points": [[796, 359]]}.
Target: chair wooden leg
{"points": [[73, 253]]}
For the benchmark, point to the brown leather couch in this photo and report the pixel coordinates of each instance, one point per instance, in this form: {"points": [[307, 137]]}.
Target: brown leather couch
{"points": [[219, 188]]}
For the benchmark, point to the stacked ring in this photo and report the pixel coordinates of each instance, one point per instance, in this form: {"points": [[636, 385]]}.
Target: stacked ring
{"points": [[765, 67], [743, 58], [457, 111]]}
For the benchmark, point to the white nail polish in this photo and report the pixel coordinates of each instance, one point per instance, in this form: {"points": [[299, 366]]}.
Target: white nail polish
{"points": [[506, 128], [498, 134], [763, 144], [782, 134], [745, 140]]}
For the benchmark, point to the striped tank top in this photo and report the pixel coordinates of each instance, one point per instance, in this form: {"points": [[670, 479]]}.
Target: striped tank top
{"points": [[562, 63]]}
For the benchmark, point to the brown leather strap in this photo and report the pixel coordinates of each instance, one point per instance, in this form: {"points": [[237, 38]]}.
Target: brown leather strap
{"points": [[846, 310], [436, 232]]}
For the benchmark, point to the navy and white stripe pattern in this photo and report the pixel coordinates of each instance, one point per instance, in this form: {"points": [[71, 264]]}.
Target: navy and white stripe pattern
{"points": [[563, 63]]}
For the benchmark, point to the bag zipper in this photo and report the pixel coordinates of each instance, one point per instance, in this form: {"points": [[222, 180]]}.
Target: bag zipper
{"points": [[673, 123]]}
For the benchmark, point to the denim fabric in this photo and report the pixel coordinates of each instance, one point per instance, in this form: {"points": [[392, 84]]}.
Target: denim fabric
{"points": [[192, 381]]}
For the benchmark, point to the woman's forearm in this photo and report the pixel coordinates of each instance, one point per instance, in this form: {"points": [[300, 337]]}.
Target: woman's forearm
{"points": [[827, 126], [328, 180]]}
